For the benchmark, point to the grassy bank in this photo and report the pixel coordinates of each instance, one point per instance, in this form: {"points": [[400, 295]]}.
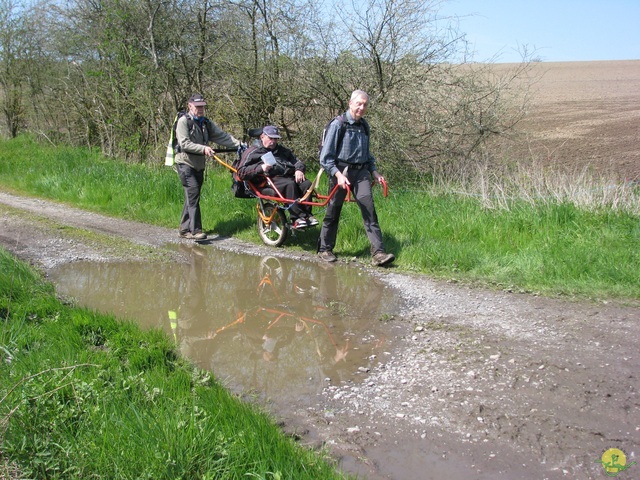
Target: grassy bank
{"points": [[553, 246], [85, 396]]}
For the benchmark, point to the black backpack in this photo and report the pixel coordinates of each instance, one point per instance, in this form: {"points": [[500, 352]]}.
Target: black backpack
{"points": [[343, 128], [238, 187]]}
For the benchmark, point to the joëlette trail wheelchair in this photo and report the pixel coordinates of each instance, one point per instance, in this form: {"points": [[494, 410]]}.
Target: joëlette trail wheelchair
{"points": [[273, 222]]}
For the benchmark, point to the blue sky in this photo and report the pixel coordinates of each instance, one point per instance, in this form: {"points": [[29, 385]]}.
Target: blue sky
{"points": [[558, 30]]}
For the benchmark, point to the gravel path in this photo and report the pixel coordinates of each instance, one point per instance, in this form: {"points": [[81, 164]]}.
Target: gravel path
{"points": [[481, 383]]}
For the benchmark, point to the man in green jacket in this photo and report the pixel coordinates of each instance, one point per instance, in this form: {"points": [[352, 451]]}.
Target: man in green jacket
{"points": [[194, 132]]}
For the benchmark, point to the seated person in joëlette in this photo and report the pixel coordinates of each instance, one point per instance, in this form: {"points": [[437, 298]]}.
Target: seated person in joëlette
{"points": [[288, 174]]}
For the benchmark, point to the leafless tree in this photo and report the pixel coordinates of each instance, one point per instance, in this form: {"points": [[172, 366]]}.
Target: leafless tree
{"points": [[113, 73]]}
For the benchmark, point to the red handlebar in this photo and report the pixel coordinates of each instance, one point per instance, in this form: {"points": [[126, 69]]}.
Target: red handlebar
{"points": [[385, 187]]}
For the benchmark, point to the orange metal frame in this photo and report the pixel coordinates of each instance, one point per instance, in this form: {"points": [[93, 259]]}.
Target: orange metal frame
{"points": [[278, 198]]}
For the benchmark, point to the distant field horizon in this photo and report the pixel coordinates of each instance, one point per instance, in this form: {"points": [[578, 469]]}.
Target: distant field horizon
{"points": [[584, 115]]}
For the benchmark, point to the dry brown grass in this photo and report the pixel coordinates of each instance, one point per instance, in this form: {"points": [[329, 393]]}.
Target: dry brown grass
{"points": [[536, 185], [8, 471]]}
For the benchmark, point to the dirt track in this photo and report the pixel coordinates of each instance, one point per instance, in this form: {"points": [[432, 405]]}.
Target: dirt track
{"points": [[482, 384]]}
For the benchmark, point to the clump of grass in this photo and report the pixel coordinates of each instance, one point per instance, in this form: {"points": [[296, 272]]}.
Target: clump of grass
{"points": [[84, 395], [552, 248]]}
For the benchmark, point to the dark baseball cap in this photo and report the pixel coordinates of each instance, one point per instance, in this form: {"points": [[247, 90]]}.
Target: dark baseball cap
{"points": [[271, 131], [197, 100]]}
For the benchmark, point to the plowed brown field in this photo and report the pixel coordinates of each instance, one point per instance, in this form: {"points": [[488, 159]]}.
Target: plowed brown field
{"points": [[585, 114]]}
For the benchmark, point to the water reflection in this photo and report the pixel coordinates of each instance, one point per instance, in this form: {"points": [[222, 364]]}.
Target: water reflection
{"points": [[272, 326]]}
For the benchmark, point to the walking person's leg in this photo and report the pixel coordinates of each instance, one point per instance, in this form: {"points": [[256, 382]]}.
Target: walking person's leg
{"points": [[329, 230], [364, 196], [197, 220], [191, 219], [361, 185], [185, 222]]}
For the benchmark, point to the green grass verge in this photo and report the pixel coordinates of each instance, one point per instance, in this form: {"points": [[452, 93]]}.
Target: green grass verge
{"points": [[83, 395], [551, 248]]}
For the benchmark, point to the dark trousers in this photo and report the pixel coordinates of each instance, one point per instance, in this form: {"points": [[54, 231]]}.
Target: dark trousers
{"points": [[192, 180], [361, 190], [288, 188]]}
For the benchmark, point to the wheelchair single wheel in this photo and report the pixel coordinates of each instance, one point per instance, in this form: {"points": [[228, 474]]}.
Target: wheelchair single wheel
{"points": [[273, 232]]}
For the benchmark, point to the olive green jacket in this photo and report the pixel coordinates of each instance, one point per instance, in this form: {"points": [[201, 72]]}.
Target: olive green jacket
{"points": [[192, 143]]}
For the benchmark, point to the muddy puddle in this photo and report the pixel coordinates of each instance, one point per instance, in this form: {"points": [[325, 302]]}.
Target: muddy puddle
{"points": [[276, 328]]}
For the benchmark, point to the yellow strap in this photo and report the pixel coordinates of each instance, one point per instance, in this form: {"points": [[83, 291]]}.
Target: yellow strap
{"points": [[313, 187], [169, 156]]}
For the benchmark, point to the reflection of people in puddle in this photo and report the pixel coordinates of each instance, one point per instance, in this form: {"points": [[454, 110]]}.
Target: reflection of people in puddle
{"points": [[304, 284], [341, 297], [265, 320], [279, 334], [268, 347], [188, 315], [293, 318]]}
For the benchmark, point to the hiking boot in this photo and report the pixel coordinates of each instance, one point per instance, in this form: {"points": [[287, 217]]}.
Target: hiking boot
{"points": [[300, 223], [199, 236], [186, 234], [382, 258], [327, 256], [312, 221]]}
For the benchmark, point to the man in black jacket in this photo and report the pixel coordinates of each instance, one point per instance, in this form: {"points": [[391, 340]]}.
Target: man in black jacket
{"points": [[285, 171]]}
